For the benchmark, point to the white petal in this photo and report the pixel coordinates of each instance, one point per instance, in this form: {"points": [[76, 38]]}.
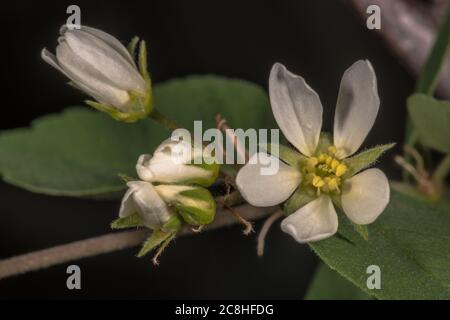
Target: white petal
{"points": [[142, 168], [267, 190], [51, 59], [148, 203], [89, 79], [170, 164], [105, 60], [365, 196], [296, 108], [356, 108], [313, 222], [127, 206], [111, 41]]}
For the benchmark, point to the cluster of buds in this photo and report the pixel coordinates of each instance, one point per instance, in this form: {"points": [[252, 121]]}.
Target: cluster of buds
{"points": [[169, 194]]}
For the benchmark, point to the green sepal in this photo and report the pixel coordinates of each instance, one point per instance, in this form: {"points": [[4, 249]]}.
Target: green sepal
{"points": [[174, 224], [157, 238], [300, 198], [126, 178], [138, 108], [132, 46], [362, 230], [213, 169], [132, 221], [143, 66], [365, 159], [287, 154], [196, 206]]}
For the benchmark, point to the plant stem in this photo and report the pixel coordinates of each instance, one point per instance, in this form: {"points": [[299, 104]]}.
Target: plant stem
{"points": [[107, 243], [442, 170], [164, 120]]}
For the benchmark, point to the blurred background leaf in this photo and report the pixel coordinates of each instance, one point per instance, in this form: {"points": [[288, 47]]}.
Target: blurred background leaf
{"points": [[80, 152], [431, 119]]}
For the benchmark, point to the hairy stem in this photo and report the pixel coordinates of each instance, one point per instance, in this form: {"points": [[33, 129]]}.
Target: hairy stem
{"points": [[164, 120], [107, 243]]}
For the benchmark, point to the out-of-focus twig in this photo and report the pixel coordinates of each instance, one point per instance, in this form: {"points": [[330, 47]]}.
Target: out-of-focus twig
{"points": [[410, 28], [108, 243]]}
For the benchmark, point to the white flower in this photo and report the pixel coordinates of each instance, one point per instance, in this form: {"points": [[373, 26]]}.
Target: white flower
{"points": [[298, 112], [98, 64]]}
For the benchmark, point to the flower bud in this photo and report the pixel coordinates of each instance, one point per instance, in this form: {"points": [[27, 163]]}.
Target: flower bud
{"points": [[143, 199], [196, 205], [172, 162], [98, 64]]}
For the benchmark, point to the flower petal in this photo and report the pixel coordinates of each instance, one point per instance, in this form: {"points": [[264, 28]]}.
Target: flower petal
{"points": [[127, 206], [89, 79], [365, 196], [296, 108], [147, 203], [313, 222], [356, 108], [267, 190], [105, 60], [110, 40], [170, 164]]}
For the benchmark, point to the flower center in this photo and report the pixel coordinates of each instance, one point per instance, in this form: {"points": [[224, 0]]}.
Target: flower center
{"points": [[324, 172]]}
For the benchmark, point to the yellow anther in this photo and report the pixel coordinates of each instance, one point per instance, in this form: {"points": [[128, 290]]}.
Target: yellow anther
{"points": [[318, 182], [312, 162], [329, 160], [341, 169], [334, 164], [332, 149]]}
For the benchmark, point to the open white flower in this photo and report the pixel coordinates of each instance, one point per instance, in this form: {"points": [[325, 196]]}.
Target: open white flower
{"points": [[323, 174], [98, 64]]}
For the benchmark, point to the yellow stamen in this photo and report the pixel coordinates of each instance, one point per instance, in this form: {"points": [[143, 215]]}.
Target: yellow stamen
{"points": [[318, 182], [334, 164], [341, 169]]}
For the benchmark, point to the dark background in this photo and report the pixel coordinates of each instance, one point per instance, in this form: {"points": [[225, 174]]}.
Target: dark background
{"points": [[317, 39]]}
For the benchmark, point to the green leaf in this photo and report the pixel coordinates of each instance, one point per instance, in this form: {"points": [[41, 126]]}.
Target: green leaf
{"points": [[410, 244], [431, 119], [329, 285], [133, 220], [76, 153], [80, 152], [365, 159]]}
